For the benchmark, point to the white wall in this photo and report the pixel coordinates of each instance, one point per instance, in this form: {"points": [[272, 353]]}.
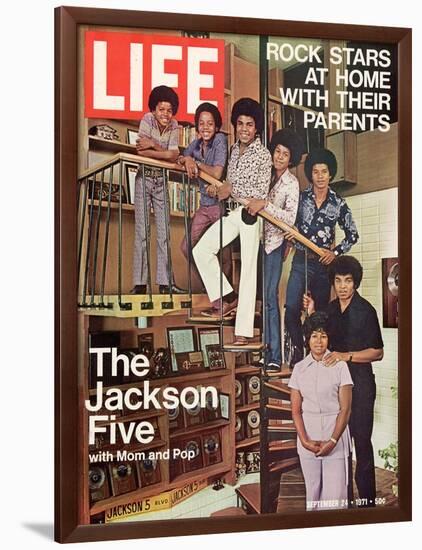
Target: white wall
{"points": [[376, 218]]}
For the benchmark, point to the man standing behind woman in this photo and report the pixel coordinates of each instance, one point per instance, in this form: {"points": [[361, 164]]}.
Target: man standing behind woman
{"points": [[286, 151], [320, 210], [207, 153]]}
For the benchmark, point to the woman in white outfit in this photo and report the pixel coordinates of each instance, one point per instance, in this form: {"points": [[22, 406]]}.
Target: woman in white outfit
{"points": [[321, 403]]}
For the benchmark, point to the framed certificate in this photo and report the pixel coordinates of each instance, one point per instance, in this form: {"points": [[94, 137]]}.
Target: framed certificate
{"points": [[180, 340]]}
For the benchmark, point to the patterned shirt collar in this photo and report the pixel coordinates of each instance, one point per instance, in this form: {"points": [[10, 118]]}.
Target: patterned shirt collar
{"points": [[285, 177], [253, 146], [331, 194], [170, 126]]}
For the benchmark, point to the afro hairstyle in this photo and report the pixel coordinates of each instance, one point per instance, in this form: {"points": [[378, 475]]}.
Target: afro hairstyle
{"points": [[208, 108], [291, 140], [163, 93], [316, 322], [346, 265], [321, 156], [248, 107]]}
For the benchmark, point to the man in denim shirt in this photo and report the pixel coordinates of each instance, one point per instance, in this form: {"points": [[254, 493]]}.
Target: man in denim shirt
{"points": [[207, 153], [320, 210]]}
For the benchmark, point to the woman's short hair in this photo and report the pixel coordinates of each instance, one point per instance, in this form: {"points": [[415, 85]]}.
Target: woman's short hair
{"points": [[316, 322], [208, 108], [163, 93], [321, 156], [248, 107], [346, 265], [291, 140]]}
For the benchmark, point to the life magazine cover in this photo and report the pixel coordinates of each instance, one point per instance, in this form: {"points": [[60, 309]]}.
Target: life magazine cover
{"points": [[238, 275]]}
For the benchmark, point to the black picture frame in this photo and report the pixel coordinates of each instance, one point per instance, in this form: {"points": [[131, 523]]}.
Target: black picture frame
{"points": [[207, 336], [215, 357]]}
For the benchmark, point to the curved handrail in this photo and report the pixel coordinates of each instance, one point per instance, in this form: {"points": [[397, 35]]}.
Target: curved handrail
{"points": [[137, 159], [130, 158]]}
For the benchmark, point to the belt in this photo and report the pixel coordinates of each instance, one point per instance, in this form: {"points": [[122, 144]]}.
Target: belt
{"points": [[152, 172], [311, 255], [231, 204]]}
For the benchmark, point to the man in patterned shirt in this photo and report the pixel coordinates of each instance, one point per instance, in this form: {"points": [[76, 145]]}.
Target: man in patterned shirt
{"points": [[248, 177], [320, 209], [286, 149]]}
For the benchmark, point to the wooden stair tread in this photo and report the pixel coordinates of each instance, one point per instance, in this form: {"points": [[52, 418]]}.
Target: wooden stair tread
{"points": [[285, 408], [230, 511], [284, 373], [247, 369], [282, 445], [248, 442], [283, 464], [202, 320], [253, 346], [287, 428], [251, 494], [277, 385]]}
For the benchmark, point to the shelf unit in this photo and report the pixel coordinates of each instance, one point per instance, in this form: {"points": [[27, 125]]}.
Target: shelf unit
{"points": [[222, 380]]}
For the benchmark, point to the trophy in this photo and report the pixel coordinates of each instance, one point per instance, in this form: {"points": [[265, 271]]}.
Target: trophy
{"points": [[252, 425], [193, 462], [212, 448], [253, 386], [238, 391], [98, 483], [122, 475], [211, 413], [239, 428], [193, 417], [176, 419], [149, 472]]}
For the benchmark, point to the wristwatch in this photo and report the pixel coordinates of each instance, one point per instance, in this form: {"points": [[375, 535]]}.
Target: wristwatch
{"points": [[350, 356]]}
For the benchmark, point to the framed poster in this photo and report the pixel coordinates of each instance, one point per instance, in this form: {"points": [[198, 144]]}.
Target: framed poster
{"points": [[314, 113]]}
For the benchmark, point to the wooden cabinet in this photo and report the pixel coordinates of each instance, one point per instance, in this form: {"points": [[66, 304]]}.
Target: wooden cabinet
{"points": [[168, 435]]}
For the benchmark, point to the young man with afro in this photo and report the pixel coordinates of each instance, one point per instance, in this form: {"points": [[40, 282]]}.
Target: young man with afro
{"points": [[355, 337], [158, 139], [248, 177], [286, 150], [207, 153], [320, 210]]}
